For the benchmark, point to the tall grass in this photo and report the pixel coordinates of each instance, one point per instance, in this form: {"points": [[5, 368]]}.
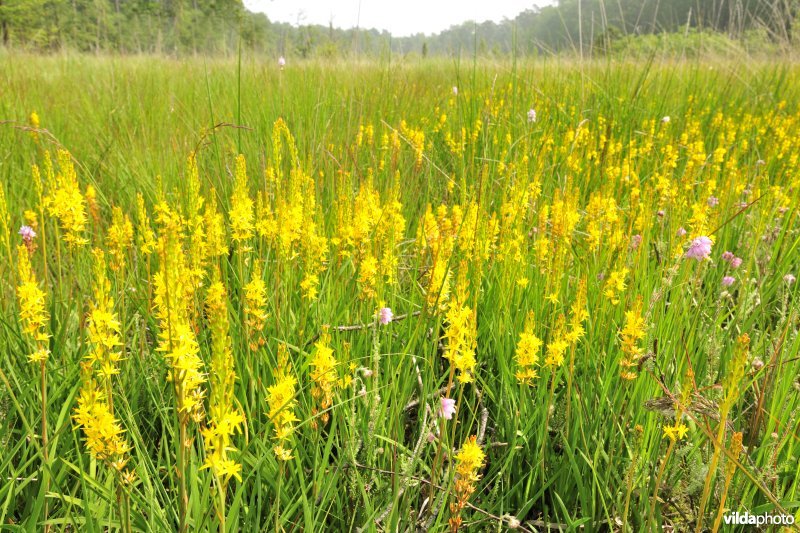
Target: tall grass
{"points": [[471, 223]]}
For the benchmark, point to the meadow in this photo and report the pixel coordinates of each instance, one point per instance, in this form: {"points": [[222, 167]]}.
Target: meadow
{"points": [[371, 296]]}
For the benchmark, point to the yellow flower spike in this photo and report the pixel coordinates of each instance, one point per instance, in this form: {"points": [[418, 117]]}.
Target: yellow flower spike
{"points": [[241, 215], [324, 374], [225, 419], [67, 204], [282, 404]]}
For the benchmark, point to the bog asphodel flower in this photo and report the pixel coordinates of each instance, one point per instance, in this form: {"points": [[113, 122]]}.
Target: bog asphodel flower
{"points": [[241, 213], [177, 340], [529, 347], [255, 307], [469, 460], [461, 340], [32, 313], [66, 202], [324, 374], [104, 327], [225, 419], [633, 331], [119, 238], [282, 404], [104, 436]]}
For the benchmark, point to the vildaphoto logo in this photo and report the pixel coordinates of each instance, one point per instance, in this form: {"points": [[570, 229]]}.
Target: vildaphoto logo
{"points": [[742, 519]]}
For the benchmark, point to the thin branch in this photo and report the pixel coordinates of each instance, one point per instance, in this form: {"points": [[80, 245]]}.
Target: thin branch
{"points": [[356, 327]]}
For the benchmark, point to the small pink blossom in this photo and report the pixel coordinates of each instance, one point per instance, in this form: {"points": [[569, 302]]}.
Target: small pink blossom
{"points": [[699, 249], [736, 262], [27, 233], [281, 61], [713, 201], [448, 408], [727, 256], [455, 90], [385, 315], [681, 232], [661, 213], [789, 279], [727, 281], [636, 241], [531, 115]]}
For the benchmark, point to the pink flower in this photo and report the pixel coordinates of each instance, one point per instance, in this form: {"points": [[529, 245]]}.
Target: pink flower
{"points": [[385, 315], [713, 201], [448, 408], [636, 240], [681, 232], [27, 233], [736, 262], [789, 279], [531, 115], [455, 90], [699, 249], [727, 256], [727, 281], [661, 212], [281, 61]]}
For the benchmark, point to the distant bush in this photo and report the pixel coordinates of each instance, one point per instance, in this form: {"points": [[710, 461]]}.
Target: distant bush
{"points": [[685, 44]]}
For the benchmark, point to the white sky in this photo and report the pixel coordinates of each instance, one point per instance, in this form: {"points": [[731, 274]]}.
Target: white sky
{"points": [[400, 17]]}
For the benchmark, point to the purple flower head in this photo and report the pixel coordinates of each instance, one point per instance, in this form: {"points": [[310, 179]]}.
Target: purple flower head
{"points": [[281, 61], [636, 240], [448, 408], [661, 213], [385, 315], [727, 256], [665, 120], [789, 279], [531, 115], [727, 281], [713, 201], [699, 249], [27, 233], [681, 232], [736, 262]]}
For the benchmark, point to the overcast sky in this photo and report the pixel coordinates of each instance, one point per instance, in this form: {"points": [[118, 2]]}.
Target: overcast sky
{"points": [[401, 18]]}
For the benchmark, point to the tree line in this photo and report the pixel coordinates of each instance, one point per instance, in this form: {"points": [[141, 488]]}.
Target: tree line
{"points": [[183, 27]]}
